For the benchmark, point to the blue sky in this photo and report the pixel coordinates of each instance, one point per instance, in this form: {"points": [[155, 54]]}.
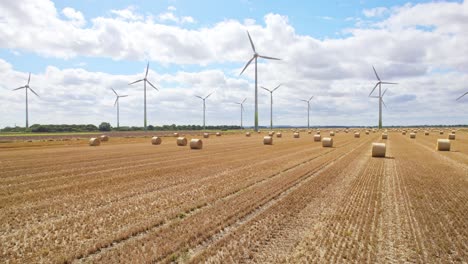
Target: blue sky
{"points": [[195, 47]]}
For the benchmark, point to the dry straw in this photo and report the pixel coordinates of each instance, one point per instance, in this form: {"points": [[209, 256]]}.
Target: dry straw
{"points": [[317, 137], [218, 134], [271, 133], [196, 143], [332, 134], [181, 141], [384, 136], [357, 135], [176, 134], [443, 145], [206, 135], [426, 133], [309, 132], [441, 132], [327, 142], [451, 136], [403, 133], [367, 132], [296, 135], [156, 140], [104, 138], [247, 134], [268, 140], [94, 142], [453, 131], [317, 132], [412, 135], [378, 149], [278, 135]]}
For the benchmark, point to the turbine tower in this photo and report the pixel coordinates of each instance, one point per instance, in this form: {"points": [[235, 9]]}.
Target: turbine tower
{"points": [[241, 110], [117, 104], [308, 110], [26, 88], [204, 106], [380, 96], [255, 57], [461, 96], [271, 103], [145, 80]]}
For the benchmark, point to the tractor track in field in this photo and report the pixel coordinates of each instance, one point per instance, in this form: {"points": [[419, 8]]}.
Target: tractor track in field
{"points": [[237, 193]]}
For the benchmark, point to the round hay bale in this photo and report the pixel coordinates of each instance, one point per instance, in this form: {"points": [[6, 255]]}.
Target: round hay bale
{"points": [[181, 141], [218, 134], [195, 143], [441, 132], [367, 132], [412, 135], [327, 142], [426, 133], [296, 135], [453, 131], [268, 140], [378, 149], [247, 134], [309, 132], [278, 135], [206, 135], [332, 134], [384, 136], [104, 138], [176, 134], [357, 135], [443, 145], [317, 137], [271, 133], [94, 142], [451, 136], [317, 132], [156, 140], [403, 133], [346, 131]]}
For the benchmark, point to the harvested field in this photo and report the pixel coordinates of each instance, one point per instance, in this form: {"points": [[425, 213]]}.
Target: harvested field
{"points": [[235, 200]]}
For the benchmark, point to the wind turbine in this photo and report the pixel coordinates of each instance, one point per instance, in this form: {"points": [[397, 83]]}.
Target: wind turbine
{"points": [[380, 96], [117, 104], [308, 109], [255, 57], [204, 106], [242, 110], [462, 96], [145, 80], [271, 103], [26, 88]]}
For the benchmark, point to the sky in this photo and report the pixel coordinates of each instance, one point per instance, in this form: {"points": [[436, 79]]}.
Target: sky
{"points": [[77, 51]]}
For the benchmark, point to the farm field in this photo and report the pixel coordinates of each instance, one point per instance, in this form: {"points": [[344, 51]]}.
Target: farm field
{"points": [[236, 200]]}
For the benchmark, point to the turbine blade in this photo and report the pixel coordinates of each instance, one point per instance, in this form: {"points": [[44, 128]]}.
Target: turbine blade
{"points": [[123, 95], [384, 104], [199, 97], [384, 92], [277, 87], [19, 88], [310, 98], [251, 42], [265, 88], [152, 85], [114, 91], [373, 96], [377, 84], [376, 75], [33, 91], [388, 83], [244, 100], [209, 95], [147, 68], [237, 103], [462, 96], [268, 58], [135, 82], [247, 65], [304, 100], [116, 99], [29, 78]]}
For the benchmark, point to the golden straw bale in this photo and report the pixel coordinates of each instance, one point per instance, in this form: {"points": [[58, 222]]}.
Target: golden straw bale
{"points": [[268, 140], [196, 143], [327, 142], [156, 140], [181, 141], [378, 149]]}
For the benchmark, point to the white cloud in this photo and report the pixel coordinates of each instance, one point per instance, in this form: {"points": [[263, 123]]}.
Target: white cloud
{"points": [[375, 12], [408, 46], [171, 8], [76, 17]]}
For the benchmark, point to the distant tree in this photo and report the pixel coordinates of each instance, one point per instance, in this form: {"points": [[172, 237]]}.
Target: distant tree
{"points": [[150, 127], [104, 126]]}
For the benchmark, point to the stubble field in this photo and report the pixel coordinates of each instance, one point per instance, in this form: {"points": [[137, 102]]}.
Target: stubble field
{"points": [[236, 200]]}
